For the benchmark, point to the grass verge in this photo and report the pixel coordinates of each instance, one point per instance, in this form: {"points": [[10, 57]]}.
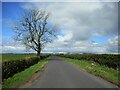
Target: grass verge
{"points": [[96, 69], [21, 77]]}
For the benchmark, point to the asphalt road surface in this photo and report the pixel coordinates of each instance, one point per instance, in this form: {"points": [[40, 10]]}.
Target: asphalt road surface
{"points": [[61, 74]]}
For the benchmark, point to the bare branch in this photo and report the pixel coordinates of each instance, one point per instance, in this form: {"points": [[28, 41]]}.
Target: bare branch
{"points": [[32, 29]]}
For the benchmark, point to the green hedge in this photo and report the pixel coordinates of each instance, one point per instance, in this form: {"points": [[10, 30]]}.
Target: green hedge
{"points": [[109, 60], [10, 68]]}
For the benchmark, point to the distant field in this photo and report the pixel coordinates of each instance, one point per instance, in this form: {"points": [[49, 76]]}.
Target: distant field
{"points": [[9, 57]]}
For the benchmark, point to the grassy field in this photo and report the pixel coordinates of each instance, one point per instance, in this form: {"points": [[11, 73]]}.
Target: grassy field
{"points": [[96, 69], [21, 77], [8, 57]]}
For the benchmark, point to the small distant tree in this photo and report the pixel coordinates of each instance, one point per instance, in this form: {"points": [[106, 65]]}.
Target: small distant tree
{"points": [[34, 29]]}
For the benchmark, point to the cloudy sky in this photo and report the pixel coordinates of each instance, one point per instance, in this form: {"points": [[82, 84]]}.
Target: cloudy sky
{"points": [[86, 27]]}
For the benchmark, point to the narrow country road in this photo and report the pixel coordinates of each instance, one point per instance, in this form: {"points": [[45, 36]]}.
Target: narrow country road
{"points": [[61, 74]]}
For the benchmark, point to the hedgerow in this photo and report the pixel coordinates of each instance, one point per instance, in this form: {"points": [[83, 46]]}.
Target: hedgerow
{"points": [[9, 68], [109, 60]]}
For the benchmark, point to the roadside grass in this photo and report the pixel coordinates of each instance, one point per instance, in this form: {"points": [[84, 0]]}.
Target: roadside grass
{"points": [[9, 57], [96, 69], [21, 77]]}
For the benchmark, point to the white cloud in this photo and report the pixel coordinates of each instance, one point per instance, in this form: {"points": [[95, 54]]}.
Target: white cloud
{"points": [[28, 6], [13, 47], [113, 41], [83, 20], [80, 22], [113, 45], [65, 45], [76, 47]]}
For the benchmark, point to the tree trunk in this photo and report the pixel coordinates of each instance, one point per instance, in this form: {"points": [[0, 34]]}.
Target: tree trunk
{"points": [[39, 52]]}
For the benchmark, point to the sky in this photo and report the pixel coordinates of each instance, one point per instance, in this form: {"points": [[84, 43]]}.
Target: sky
{"points": [[86, 27]]}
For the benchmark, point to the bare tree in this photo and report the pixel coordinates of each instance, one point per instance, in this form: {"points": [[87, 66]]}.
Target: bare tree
{"points": [[34, 29]]}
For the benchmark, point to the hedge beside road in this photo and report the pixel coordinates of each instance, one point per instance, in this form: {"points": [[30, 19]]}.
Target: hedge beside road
{"points": [[109, 60], [9, 68]]}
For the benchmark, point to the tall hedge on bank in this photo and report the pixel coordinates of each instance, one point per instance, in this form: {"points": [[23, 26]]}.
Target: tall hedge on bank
{"points": [[9, 68], [109, 60]]}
